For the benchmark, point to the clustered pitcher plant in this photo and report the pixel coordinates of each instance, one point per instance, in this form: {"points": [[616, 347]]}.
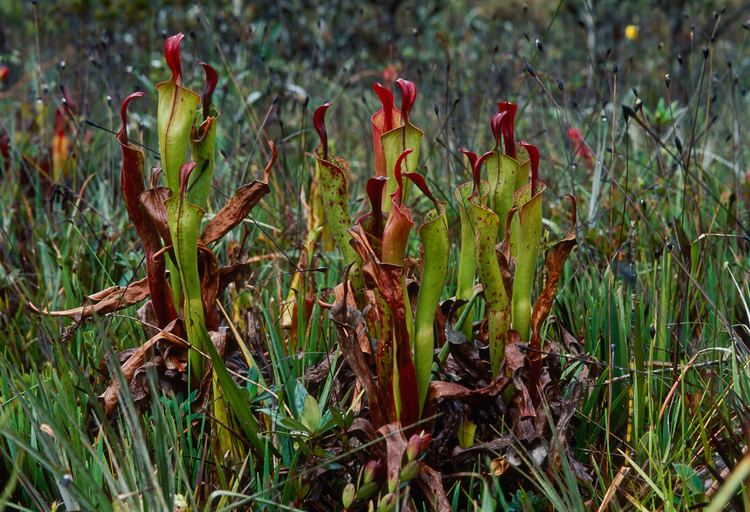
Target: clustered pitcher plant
{"points": [[500, 237]]}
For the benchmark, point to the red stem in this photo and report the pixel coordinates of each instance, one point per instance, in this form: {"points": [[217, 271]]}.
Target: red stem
{"points": [[508, 127], [386, 99], [399, 176], [319, 121], [534, 160], [496, 125], [211, 80], [172, 55], [408, 96]]}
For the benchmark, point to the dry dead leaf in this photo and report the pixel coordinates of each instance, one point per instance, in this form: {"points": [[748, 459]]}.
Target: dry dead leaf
{"points": [[102, 302], [135, 361], [238, 207]]}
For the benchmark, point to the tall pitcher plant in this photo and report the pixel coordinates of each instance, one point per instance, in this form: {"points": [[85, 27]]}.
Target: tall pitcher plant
{"points": [[188, 184], [503, 218], [187, 128], [376, 244], [168, 220]]}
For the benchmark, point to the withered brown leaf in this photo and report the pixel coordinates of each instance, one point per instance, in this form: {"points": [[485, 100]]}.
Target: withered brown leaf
{"points": [[102, 302], [238, 207], [554, 264], [136, 360]]}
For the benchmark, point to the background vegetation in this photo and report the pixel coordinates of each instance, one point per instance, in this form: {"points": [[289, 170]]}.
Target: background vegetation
{"points": [[653, 307]]}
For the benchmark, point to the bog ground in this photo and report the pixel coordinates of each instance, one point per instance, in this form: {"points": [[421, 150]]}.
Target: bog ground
{"points": [[371, 256]]}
